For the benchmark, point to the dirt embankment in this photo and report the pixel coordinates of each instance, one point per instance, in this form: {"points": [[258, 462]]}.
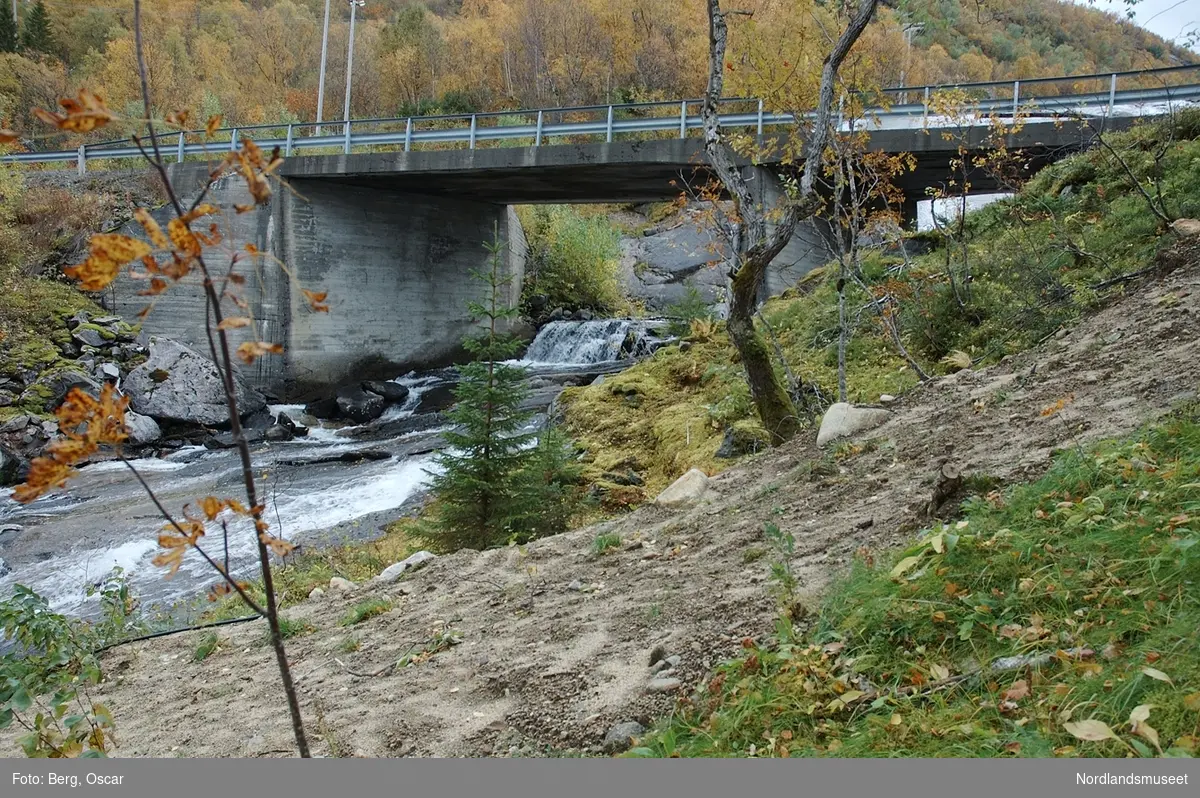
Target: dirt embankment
{"points": [[555, 640]]}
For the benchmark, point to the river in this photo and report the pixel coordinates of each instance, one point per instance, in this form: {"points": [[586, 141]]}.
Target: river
{"points": [[339, 483]]}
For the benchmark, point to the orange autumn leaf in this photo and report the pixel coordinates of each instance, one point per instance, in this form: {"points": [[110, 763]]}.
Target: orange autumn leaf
{"points": [[211, 506], [233, 322], [7, 136], [183, 238], [214, 122], [84, 113], [203, 209], [152, 228], [316, 300], [109, 252], [278, 546], [178, 119], [252, 350]]}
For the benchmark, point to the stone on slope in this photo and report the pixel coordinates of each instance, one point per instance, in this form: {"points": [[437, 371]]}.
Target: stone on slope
{"points": [[688, 489], [620, 737], [178, 384], [412, 563], [843, 420]]}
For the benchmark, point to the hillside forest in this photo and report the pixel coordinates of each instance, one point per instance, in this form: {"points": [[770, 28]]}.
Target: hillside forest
{"points": [[258, 61]]}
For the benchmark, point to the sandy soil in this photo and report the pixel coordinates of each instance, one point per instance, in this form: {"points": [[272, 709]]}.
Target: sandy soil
{"points": [[544, 666]]}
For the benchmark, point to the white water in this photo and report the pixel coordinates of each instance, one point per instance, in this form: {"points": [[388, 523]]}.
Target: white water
{"points": [[103, 520], [600, 341]]}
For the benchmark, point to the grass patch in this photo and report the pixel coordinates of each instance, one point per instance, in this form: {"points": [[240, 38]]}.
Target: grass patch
{"points": [[606, 542], [208, 645], [365, 610], [349, 645], [1087, 577], [289, 628]]}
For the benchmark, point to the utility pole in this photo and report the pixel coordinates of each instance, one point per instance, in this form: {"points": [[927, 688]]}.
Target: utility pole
{"points": [[908, 30], [354, 4], [321, 80]]}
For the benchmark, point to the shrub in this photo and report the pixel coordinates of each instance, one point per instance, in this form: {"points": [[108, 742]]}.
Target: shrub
{"points": [[572, 261]]}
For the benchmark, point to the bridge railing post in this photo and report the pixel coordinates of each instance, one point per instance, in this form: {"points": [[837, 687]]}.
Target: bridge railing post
{"points": [[925, 113], [608, 129], [760, 117], [408, 135], [287, 146], [537, 141], [1112, 93], [233, 140], [346, 138], [683, 119], [1016, 98], [179, 148], [471, 144], [81, 159]]}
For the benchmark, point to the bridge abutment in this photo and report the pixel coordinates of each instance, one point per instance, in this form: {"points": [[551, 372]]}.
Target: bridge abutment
{"points": [[395, 268]]}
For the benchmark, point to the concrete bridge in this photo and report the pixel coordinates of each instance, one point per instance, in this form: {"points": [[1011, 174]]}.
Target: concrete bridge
{"points": [[392, 235]]}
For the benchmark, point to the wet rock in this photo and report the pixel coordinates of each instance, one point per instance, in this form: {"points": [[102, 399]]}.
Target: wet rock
{"points": [[9, 533], [412, 563], [322, 408], [842, 420], [4, 569], [10, 466], [142, 429], [358, 405], [297, 429], [278, 432], [224, 440], [558, 314], [665, 685], [340, 585], [178, 384], [688, 489], [261, 420], [393, 392], [621, 736]]}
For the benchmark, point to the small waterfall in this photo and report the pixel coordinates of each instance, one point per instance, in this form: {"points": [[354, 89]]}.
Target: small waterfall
{"points": [[599, 341]]}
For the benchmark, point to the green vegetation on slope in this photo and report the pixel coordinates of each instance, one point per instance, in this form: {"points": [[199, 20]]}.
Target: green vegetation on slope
{"points": [[572, 262], [1064, 245], [1046, 611]]}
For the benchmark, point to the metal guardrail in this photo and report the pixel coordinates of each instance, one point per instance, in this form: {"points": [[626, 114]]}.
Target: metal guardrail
{"points": [[540, 125]]}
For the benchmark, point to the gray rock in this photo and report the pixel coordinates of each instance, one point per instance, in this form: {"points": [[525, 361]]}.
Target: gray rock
{"points": [[10, 466], [58, 385], [278, 432], [108, 371], [297, 429], [15, 424], [9, 533], [575, 585], [621, 736], [739, 441], [599, 380], [104, 321], [142, 429], [89, 337], [178, 384], [316, 593], [4, 569], [584, 315], [358, 405], [843, 420], [340, 585], [673, 661], [663, 685], [412, 563], [260, 421], [393, 392], [224, 440], [7, 398], [688, 489]]}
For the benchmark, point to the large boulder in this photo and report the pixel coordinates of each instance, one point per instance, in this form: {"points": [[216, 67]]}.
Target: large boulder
{"points": [[358, 405], [10, 466], [51, 388], [178, 384], [393, 392], [688, 489], [843, 420], [142, 429]]}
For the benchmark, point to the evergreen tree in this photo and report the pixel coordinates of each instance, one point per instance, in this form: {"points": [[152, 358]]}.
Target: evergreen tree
{"points": [[37, 36], [551, 487], [8, 29], [481, 490]]}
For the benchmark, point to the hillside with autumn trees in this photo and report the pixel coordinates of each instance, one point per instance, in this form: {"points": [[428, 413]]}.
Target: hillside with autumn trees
{"points": [[257, 61]]}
